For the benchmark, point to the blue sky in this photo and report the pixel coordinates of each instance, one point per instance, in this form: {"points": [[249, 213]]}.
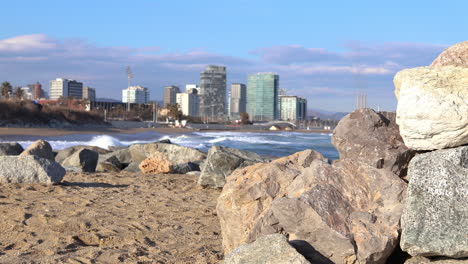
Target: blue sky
{"points": [[323, 50]]}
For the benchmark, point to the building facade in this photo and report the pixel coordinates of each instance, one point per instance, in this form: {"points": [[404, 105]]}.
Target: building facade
{"points": [[170, 93], [213, 92], [262, 97], [237, 99], [135, 95], [293, 108], [37, 91], [192, 88], [65, 88], [89, 93], [188, 104]]}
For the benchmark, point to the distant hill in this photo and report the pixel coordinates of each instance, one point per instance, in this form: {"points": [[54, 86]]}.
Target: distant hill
{"points": [[324, 114]]}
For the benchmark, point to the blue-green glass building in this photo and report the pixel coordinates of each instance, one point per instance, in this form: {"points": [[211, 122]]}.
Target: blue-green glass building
{"points": [[262, 97]]}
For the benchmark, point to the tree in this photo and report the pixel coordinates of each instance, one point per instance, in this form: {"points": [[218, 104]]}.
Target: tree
{"points": [[174, 111], [6, 89], [19, 93], [245, 118]]}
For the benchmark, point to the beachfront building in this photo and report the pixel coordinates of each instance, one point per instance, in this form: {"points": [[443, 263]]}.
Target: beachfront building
{"points": [[262, 97], [188, 104], [135, 95], [61, 87], [237, 99], [89, 93], [213, 92], [170, 93], [293, 108]]}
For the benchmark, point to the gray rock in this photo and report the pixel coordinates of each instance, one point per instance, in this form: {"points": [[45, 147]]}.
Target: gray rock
{"points": [[435, 220], [67, 152], [123, 155], [372, 138], [175, 154], [41, 149], [185, 168], [132, 167], [423, 260], [10, 149], [29, 169], [110, 164], [221, 162], [269, 249], [84, 159]]}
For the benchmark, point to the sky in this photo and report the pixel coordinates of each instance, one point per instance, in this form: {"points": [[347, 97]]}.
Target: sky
{"points": [[325, 51]]}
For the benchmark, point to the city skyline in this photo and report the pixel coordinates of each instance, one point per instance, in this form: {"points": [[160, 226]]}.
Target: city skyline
{"points": [[323, 53]]}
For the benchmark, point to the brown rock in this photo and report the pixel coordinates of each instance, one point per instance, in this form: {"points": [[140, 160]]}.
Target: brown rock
{"points": [[456, 55], [41, 149], [157, 163], [372, 138]]}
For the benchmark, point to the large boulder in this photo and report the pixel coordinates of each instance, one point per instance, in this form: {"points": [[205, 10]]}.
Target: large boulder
{"points": [[29, 169], [41, 149], [67, 152], [157, 163], [176, 154], [10, 149], [432, 107], [109, 164], [423, 260], [85, 160], [221, 162], [269, 249], [372, 138], [435, 219], [456, 55], [349, 211]]}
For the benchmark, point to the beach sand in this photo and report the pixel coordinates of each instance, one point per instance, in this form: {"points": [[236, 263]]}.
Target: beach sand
{"points": [[110, 218]]}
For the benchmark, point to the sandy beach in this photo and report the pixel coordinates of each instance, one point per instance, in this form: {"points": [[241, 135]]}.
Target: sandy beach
{"points": [[110, 218]]}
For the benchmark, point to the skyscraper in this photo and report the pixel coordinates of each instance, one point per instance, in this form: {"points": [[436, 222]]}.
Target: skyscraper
{"points": [[188, 103], [293, 107], [65, 88], [170, 93], [89, 93], [238, 99], [135, 95], [37, 91], [213, 92], [262, 96]]}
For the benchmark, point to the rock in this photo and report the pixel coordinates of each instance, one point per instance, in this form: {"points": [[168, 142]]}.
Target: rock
{"points": [[84, 159], [123, 155], [456, 55], [10, 149], [435, 219], [432, 107], [41, 149], [132, 167], [271, 249], [423, 260], [372, 138], [29, 169], [157, 163], [348, 212], [221, 162], [185, 168], [175, 154], [196, 173], [110, 164], [67, 152]]}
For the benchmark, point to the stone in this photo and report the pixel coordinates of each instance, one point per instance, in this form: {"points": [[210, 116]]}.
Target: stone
{"points": [[432, 107], [67, 152], [269, 249], [132, 167], [29, 169], [10, 149], [372, 138], [456, 55], [435, 219], [110, 164], [423, 260], [123, 155], [221, 162], [349, 212], [157, 163], [41, 149], [175, 154], [196, 173], [185, 168], [83, 159]]}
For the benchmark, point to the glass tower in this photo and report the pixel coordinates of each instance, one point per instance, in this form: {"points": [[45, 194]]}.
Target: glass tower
{"points": [[262, 96], [213, 92]]}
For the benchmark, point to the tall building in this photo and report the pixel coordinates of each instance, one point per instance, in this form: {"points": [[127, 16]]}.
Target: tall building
{"points": [[262, 96], [135, 95], [192, 88], [213, 92], [89, 93], [37, 91], [27, 93], [293, 108], [188, 104], [65, 88], [170, 93], [237, 99]]}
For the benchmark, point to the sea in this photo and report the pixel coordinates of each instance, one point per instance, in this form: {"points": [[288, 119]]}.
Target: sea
{"points": [[276, 144]]}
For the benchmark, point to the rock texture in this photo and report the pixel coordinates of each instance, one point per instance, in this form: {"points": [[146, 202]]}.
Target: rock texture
{"points": [[29, 169], [435, 222], [349, 211], [157, 163], [41, 149], [432, 107], [423, 260], [67, 152], [10, 149], [372, 138], [221, 162], [456, 55], [84, 160], [269, 249], [175, 154], [109, 164]]}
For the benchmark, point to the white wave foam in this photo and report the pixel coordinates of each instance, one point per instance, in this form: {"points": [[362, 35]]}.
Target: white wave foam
{"points": [[104, 141]]}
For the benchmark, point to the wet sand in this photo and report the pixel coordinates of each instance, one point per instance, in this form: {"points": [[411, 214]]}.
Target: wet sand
{"points": [[110, 218]]}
